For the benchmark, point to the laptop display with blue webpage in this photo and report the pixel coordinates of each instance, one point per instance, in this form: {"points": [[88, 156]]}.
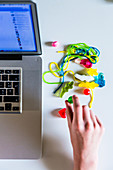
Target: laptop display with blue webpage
{"points": [[17, 28], [19, 31], [20, 80]]}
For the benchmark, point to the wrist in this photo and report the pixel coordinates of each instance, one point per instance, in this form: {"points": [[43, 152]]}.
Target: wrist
{"points": [[90, 165], [85, 163]]}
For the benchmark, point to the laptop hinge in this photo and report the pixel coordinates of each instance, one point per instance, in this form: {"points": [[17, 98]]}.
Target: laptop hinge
{"points": [[10, 57]]}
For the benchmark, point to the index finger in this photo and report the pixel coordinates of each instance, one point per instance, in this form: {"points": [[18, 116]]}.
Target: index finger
{"points": [[77, 115]]}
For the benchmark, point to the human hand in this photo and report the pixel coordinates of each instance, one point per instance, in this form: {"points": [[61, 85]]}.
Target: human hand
{"points": [[86, 132]]}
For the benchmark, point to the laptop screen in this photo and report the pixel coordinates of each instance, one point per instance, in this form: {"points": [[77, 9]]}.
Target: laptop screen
{"points": [[16, 28]]}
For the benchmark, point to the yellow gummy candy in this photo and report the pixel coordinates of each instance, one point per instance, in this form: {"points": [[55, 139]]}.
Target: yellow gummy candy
{"points": [[90, 85], [92, 72]]}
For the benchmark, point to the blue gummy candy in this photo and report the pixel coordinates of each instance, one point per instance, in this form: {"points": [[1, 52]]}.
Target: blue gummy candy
{"points": [[96, 79], [101, 83], [101, 76]]}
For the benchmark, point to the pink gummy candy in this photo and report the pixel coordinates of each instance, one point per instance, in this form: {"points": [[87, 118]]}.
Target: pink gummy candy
{"points": [[86, 63], [55, 43]]}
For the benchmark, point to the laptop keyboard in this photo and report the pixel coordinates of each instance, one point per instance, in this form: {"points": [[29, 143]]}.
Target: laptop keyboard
{"points": [[10, 90]]}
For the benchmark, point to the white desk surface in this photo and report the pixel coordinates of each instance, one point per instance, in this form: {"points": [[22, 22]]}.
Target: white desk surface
{"points": [[73, 21]]}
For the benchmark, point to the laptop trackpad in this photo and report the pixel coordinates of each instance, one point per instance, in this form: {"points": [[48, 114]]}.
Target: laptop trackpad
{"points": [[31, 89]]}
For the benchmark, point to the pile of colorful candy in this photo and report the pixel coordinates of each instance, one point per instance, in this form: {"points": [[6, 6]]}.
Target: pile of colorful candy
{"points": [[84, 55]]}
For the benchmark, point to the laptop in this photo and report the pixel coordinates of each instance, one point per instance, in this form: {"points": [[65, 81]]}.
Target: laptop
{"points": [[20, 81]]}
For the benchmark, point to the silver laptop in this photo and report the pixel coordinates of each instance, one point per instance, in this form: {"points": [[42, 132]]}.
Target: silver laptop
{"points": [[20, 81]]}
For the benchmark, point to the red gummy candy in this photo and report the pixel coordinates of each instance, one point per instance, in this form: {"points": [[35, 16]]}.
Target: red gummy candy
{"points": [[86, 91], [62, 113], [86, 63]]}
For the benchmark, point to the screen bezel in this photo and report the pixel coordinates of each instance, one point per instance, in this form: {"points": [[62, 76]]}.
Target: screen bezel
{"points": [[36, 29]]}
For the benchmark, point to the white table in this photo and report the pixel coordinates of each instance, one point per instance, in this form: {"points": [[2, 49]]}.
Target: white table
{"points": [[73, 21]]}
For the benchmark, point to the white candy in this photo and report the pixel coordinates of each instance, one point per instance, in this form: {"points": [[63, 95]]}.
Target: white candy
{"points": [[83, 77]]}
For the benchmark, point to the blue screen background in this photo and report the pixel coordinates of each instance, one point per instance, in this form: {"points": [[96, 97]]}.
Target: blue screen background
{"points": [[16, 28]]}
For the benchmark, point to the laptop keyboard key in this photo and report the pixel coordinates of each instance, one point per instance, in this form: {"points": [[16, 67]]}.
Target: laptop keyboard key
{"points": [[1, 71], [8, 84], [15, 108], [2, 91], [14, 77], [8, 106], [0, 98], [8, 71], [4, 77], [1, 108], [9, 91], [15, 84], [1, 84], [11, 98], [16, 71], [16, 91]]}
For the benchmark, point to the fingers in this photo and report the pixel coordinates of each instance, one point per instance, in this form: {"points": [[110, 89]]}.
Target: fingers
{"points": [[102, 129], [93, 118], [81, 115], [98, 121], [77, 115], [69, 112], [86, 114]]}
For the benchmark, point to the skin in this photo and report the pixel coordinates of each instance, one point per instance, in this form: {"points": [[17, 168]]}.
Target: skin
{"points": [[86, 131]]}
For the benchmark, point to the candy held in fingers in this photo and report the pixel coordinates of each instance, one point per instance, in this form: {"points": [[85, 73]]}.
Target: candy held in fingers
{"points": [[55, 44], [62, 113], [70, 100]]}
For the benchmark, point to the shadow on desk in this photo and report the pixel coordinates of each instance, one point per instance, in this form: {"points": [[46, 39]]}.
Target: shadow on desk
{"points": [[53, 158]]}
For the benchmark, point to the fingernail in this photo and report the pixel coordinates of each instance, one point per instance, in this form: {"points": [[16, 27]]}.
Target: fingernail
{"points": [[85, 107], [77, 103], [66, 101], [75, 97]]}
